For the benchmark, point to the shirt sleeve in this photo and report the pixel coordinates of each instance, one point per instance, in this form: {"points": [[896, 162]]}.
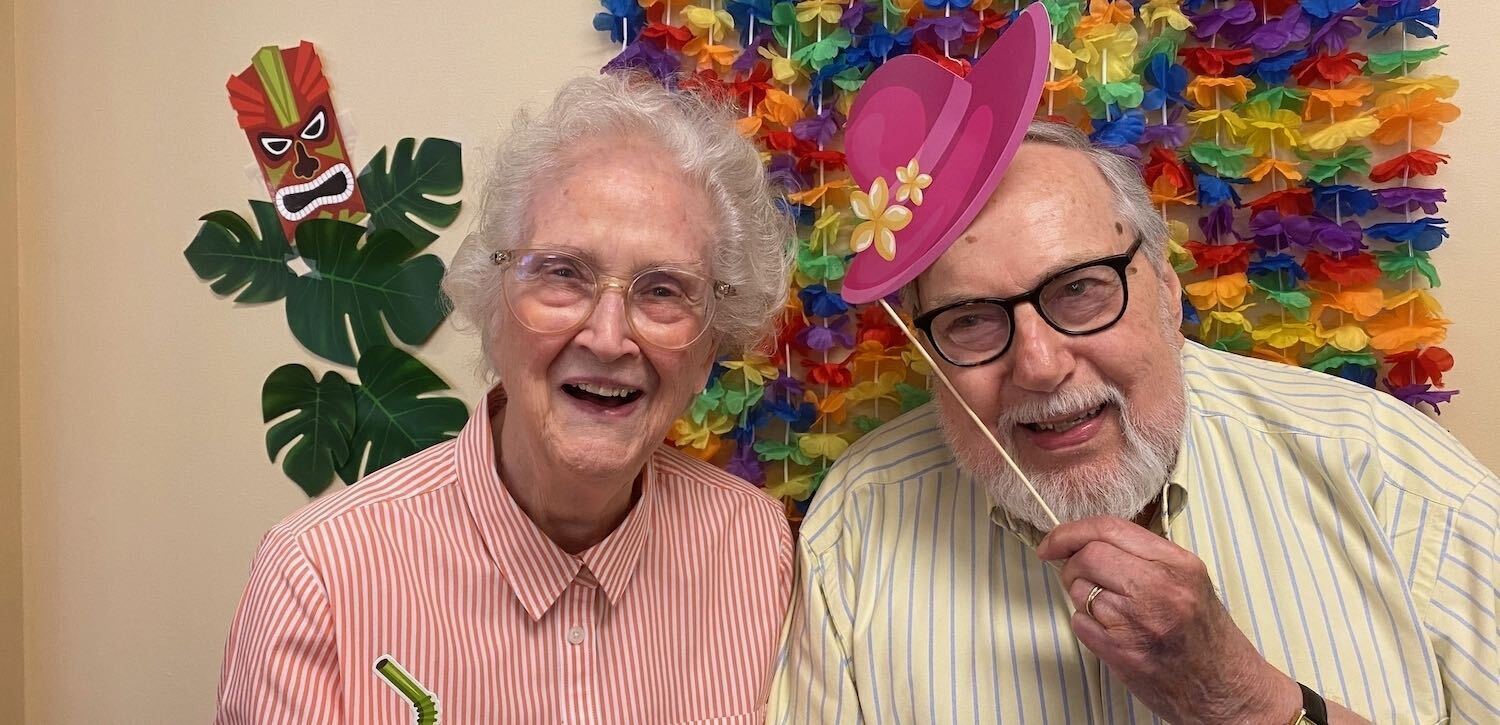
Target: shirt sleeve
{"points": [[1462, 615], [281, 661], [813, 683]]}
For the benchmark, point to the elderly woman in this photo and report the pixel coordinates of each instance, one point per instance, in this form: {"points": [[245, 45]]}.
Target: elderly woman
{"points": [[556, 562]]}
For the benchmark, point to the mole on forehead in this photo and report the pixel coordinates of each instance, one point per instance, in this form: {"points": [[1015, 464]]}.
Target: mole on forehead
{"points": [[1119, 229]]}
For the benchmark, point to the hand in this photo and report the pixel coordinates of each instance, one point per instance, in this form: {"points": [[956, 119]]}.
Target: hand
{"points": [[1161, 629]]}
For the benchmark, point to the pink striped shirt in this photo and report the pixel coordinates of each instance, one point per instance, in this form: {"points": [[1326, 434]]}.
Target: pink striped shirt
{"points": [[673, 618]]}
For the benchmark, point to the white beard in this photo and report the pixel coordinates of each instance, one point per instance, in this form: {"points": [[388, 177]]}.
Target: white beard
{"points": [[1122, 487]]}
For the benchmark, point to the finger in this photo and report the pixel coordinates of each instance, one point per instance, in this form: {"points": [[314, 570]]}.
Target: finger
{"points": [[1096, 638], [1109, 566], [1066, 539], [1106, 607]]}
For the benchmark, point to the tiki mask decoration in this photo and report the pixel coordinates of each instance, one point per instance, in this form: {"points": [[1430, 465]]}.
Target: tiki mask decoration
{"points": [[283, 104]]}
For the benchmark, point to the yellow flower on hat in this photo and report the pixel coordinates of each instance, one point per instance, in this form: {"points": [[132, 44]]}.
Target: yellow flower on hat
{"points": [[913, 181], [882, 220]]}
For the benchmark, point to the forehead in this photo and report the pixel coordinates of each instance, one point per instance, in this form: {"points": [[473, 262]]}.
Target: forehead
{"points": [[1053, 209], [626, 203]]}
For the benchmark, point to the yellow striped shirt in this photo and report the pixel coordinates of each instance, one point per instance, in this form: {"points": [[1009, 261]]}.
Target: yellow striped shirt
{"points": [[1352, 539]]}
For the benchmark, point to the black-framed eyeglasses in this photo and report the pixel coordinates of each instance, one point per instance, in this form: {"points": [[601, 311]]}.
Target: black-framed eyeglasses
{"points": [[1080, 300], [552, 292]]}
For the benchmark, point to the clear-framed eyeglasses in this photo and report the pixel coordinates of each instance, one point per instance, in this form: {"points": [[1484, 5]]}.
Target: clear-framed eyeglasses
{"points": [[553, 292], [1080, 300]]}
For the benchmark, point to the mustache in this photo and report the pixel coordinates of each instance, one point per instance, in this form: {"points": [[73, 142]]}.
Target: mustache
{"points": [[1063, 402]]}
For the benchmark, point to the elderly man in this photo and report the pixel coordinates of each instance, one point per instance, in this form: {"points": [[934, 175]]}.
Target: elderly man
{"points": [[1231, 527]]}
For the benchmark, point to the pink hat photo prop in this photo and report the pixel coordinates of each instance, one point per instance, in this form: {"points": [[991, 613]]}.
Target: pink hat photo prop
{"points": [[928, 148]]}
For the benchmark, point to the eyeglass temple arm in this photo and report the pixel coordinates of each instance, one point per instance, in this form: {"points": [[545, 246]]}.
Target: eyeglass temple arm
{"points": [[972, 415]]}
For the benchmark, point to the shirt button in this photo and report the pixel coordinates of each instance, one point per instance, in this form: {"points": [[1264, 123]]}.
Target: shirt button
{"points": [[575, 635]]}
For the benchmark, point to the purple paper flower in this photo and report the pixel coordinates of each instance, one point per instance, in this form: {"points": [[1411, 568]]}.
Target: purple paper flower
{"points": [[648, 56], [854, 15], [744, 64], [1423, 393], [827, 334], [1333, 36], [1292, 27], [1408, 199], [818, 128], [1209, 23], [746, 464], [1218, 223], [1316, 231], [1170, 135], [785, 387], [951, 28]]}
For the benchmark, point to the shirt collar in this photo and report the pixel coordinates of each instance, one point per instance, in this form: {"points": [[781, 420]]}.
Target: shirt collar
{"points": [[536, 568]]}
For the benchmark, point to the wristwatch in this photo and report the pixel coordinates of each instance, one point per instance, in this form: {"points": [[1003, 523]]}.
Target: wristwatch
{"points": [[1314, 711]]}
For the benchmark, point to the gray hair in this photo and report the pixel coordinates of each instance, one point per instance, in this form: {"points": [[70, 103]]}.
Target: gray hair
{"points": [[752, 249], [1122, 176]]}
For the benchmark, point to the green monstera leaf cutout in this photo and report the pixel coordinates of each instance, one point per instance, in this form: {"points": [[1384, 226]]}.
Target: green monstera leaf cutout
{"points": [[401, 193], [392, 418], [229, 252], [319, 428], [361, 288]]}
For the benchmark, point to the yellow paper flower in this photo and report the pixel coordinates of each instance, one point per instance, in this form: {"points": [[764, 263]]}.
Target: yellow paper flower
{"points": [[1210, 92], [1213, 123], [1442, 86], [825, 232], [797, 488], [827, 11], [1348, 337], [827, 446], [883, 387], [704, 21], [883, 220], [687, 433], [1227, 291], [1233, 317], [914, 360], [1337, 135], [1268, 128], [1177, 237], [785, 70], [1061, 58], [1168, 12], [1282, 334], [1107, 52], [756, 369], [913, 181]]}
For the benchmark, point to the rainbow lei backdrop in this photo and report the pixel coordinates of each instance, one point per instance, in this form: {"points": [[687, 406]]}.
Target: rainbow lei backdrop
{"points": [[1283, 140]]}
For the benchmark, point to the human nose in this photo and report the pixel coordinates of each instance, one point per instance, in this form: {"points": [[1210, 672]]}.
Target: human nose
{"points": [[1039, 358], [607, 332]]}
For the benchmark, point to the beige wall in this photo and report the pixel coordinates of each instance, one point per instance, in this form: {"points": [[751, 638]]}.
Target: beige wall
{"points": [[144, 479], [10, 366]]}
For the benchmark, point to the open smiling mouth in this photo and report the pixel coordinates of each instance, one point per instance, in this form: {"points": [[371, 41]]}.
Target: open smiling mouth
{"points": [[333, 186], [604, 396], [1064, 425]]}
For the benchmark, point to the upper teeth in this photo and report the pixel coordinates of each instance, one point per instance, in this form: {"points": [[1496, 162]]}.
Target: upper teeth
{"points": [[604, 390], [1066, 424]]}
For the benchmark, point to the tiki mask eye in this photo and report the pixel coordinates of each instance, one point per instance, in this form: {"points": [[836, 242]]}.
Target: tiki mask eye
{"points": [[276, 146], [315, 128]]}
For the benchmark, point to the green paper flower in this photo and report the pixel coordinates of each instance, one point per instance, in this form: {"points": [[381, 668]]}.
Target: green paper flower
{"points": [[1294, 301], [1227, 162], [1402, 61], [1331, 358], [1400, 262], [1353, 159], [1280, 98], [1123, 94], [820, 267]]}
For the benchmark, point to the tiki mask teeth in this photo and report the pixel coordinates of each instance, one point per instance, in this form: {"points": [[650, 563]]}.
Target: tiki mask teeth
{"points": [[333, 186]]}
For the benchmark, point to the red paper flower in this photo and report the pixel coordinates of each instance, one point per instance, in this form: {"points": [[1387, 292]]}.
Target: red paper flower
{"points": [[1215, 61], [1323, 70], [1296, 201], [834, 375], [1164, 163], [1355, 270], [1415, 367], [1226, 258], [1417, 163]]}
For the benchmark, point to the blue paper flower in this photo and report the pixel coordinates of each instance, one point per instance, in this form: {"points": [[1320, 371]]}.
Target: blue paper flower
{"points": [[624, 19], [1343, 199], [1418, 18], [819, 301], [1424, 234]]}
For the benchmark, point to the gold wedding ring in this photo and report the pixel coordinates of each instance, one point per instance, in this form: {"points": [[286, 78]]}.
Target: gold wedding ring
{"points": [[1088, 604]]}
